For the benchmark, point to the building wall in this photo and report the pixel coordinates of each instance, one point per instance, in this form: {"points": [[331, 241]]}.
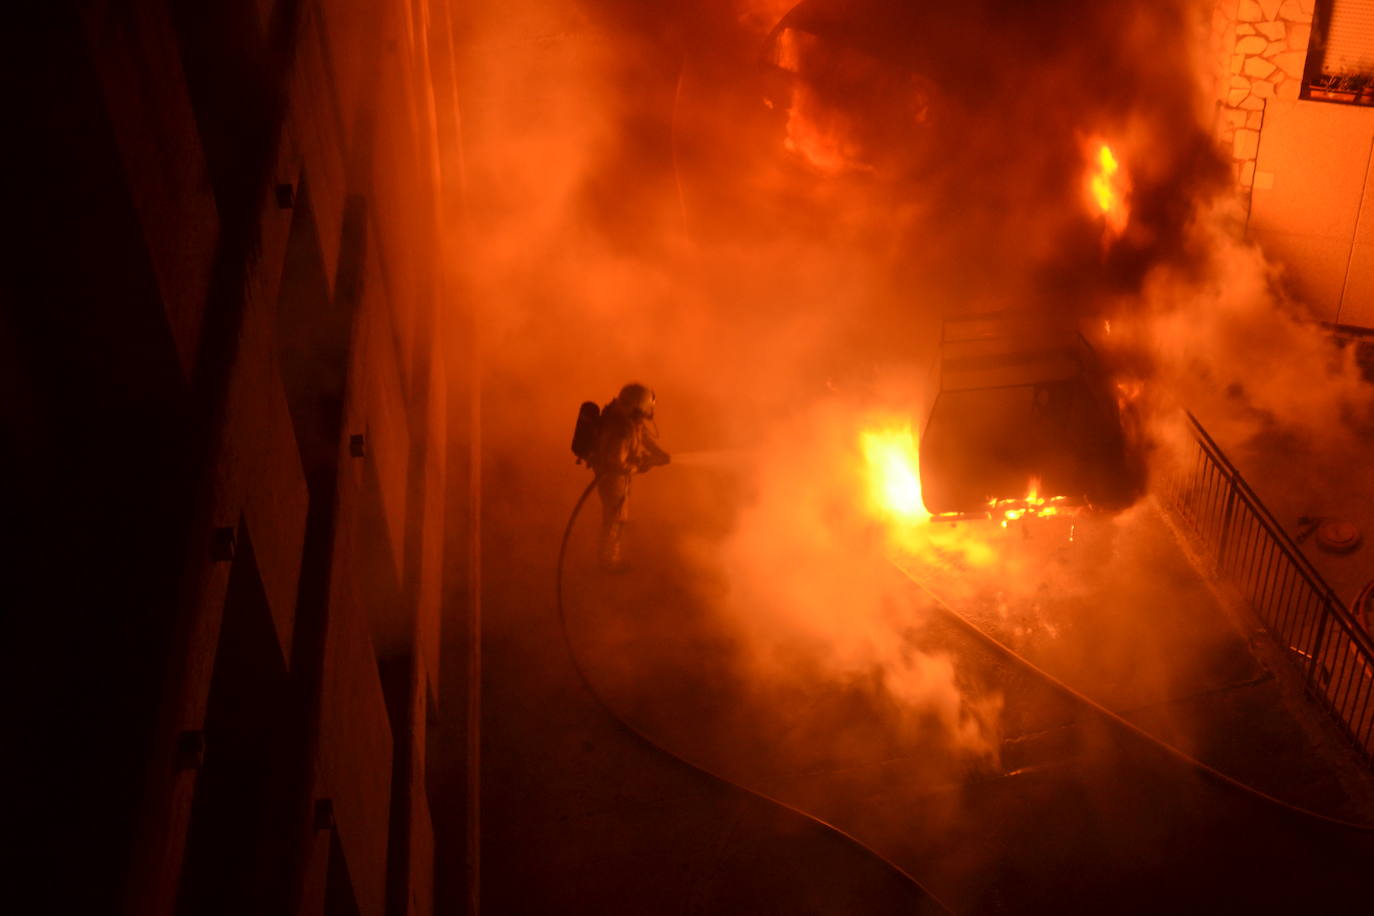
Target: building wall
{"points": [[1312, 206], [1302, 165], [234, 346], [1265, 59]]}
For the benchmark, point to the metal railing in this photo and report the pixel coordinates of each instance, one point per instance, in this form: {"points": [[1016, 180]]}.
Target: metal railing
{"points": [[1249, 549]]}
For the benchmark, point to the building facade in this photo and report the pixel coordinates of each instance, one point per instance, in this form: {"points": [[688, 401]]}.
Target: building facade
{"points": [[235, 383], [1295, 106]]}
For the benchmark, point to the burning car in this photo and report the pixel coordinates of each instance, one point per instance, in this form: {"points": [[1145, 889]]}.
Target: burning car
{"points": [[1024, 421]]}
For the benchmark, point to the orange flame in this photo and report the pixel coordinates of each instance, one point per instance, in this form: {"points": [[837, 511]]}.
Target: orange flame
{"points": [[824, 149], [894, 479], [1107, 188], [1033, 506], [892, 474], [1102, 189], [1128, 392], [817, 134]]}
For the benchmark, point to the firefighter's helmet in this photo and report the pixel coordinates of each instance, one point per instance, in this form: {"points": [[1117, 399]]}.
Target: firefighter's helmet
{"points": [[638, 400]]}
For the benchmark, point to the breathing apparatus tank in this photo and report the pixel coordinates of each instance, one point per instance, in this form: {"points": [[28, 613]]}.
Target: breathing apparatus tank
{"points": [[584, 433]]}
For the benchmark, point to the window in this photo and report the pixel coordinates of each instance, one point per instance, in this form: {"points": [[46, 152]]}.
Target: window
{"points": [[1340, 56]]}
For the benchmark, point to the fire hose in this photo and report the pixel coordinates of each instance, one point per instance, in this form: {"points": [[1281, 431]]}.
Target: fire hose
{"points": [[978, 633], [643, 738]]}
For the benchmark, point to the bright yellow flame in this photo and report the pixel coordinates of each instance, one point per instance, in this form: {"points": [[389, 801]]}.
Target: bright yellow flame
{"points": [[1033, 506], [1107, 158], [894, 479], [1106, 186], [1103, 191]]}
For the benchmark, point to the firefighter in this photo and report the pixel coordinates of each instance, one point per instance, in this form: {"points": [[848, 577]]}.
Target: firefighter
{"points": [[624, 447]]}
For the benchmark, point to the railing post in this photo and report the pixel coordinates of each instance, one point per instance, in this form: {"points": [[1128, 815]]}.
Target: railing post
{"points": [[1317, 644], [1274, 551], [1226, 517]]}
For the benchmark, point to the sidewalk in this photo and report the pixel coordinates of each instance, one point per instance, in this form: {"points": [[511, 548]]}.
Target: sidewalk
{"points": [[578, 817], [1298, 478]]}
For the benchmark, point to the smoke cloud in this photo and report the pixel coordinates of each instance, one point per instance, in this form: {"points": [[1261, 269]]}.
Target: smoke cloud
{"points": [[764, 211]]}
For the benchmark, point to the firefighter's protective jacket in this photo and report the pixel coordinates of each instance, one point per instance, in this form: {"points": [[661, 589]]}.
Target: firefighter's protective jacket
{"points": [[623, 449], [623, 445]]}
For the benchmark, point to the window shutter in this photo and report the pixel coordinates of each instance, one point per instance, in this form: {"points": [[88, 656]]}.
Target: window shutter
{"points": [[1350, 39]]}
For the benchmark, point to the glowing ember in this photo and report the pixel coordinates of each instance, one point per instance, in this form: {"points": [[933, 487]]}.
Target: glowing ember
{"points": [[1033, 506], [1107, 187], [894, 481], [1128, 392]]}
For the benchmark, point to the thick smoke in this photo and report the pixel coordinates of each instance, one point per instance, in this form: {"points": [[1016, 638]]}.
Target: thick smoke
{"points": [[1224, 340], [811, 587], [765, 210]]}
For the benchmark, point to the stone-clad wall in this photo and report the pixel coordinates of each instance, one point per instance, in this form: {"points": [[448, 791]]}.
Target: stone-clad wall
{"points": [[1220, 47], [1268, 50]]}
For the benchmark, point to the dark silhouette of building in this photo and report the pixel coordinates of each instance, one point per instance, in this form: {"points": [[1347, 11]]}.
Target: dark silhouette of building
{"points": [[228, 355]]}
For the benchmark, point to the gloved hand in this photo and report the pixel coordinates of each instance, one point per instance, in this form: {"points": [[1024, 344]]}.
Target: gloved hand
{"points": [[654, 460]]}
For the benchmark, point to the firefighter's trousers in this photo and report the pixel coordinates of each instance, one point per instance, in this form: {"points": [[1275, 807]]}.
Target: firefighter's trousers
{"points": [[614, 490]]}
